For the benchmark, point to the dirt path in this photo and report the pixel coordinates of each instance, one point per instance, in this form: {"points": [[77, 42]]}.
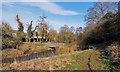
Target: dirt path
{"points": [[94, 62], [89, 61], [80, 61]]}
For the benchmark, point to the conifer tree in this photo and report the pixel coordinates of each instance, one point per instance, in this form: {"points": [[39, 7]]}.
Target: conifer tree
{"points": [[20, 32], [29, 32], [20, 24]]}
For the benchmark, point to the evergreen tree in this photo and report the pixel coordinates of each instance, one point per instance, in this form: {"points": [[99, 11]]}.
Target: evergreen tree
{"points": [[29, 32], [20, 32], [20, 24]]}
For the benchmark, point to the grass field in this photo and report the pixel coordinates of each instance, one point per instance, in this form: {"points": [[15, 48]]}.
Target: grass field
{"points": [[73, 61], [81, 61]]}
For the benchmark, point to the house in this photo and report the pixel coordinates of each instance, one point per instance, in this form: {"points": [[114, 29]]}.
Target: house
{"points": [[33, 39]]}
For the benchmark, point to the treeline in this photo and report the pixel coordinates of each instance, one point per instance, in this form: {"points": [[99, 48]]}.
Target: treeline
{"points": [[106, 31], [101, 26], [66, 34], [103, 32], [13, 38]]}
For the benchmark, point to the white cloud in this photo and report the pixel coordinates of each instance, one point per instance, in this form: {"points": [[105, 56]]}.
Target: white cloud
{"points": [[45, 5], [61, 0], [52, 8]]}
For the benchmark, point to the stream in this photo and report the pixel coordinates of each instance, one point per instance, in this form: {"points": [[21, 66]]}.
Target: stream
{"points": [[47, 53]]}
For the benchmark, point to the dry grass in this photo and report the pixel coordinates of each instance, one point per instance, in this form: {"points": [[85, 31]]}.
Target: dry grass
{"points": [[26, 48], [53, 63], [72, 61], [29, 48], [69, 48], [5, 66], [11, 53]]}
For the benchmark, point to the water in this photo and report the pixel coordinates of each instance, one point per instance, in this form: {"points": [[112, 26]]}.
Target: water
{"points": [[47, 53]]}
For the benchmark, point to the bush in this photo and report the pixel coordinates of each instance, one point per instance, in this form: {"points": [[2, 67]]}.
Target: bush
{"points": [[8, 41], [106, 31], [113, 53]]}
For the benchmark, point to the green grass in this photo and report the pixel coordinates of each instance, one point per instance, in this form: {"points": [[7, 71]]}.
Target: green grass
{"points": [[96, 63], [80, 61]]}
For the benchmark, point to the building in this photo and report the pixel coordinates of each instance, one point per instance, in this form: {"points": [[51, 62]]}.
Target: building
{"points": [[33, 39]]}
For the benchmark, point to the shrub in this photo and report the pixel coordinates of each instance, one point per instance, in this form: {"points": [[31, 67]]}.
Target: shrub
{"points": [[113, 52]]}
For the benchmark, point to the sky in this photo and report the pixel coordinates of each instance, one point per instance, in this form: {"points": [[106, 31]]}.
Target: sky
{"points": [[58, 13]]}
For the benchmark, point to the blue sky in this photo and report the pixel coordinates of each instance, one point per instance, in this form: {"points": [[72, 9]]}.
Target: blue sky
{"points": [[58, 13]]}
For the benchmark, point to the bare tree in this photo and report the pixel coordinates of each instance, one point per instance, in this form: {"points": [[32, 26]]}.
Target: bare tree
{"points": [[66, 34], [7, 28], [43, 28], [99, 10], [52, 35], [78, 34]]}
